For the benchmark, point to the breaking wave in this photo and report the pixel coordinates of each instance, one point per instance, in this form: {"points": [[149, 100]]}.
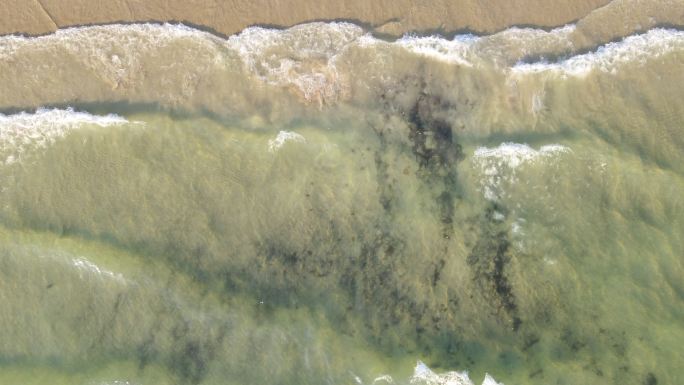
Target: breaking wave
{"points": [[24, 131], [318, 61]]}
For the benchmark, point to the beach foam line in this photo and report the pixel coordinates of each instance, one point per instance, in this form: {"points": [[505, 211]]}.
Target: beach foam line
{"points": [[469, 49], [260, 47], [56, 117], [311, 40], [303, 56], [608, 58], [307, 58], [456, 51], [23, 131], [114, 51], [100, 35]]}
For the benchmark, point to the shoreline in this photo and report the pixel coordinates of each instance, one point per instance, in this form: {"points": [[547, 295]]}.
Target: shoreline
{"points": [[597, 22], [384, 17]]}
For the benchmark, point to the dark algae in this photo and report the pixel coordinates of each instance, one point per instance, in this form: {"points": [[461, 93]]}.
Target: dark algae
{"points": [[489, 260]]}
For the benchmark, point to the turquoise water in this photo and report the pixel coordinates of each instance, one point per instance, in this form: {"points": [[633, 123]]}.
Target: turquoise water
{"points": [[314, 205]]}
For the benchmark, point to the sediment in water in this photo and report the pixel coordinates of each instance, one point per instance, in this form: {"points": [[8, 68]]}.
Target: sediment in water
{"points": [[295, 182]]}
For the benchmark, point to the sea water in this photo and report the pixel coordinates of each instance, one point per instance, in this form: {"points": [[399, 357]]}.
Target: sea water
{"points": [[316, 205]]}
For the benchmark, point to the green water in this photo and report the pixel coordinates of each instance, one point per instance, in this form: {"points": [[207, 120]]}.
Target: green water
{"points": [[340, 238]]}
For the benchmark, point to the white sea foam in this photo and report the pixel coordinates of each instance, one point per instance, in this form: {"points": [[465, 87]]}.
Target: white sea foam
{"points": [[24, 131], [489, 380], [423, 375], [456, 51], [87, 267], [522, 36], [637, 49], [385, 378], [283, 137], [513, 155], [302, 56], [312, 40], [307, 58], [114, 51], [115, 382], [498, 165], [514, 44], [468, 49]]}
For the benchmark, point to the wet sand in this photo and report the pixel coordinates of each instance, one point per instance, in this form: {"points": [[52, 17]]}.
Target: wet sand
{"points": [[598, 21], [228, 17]]}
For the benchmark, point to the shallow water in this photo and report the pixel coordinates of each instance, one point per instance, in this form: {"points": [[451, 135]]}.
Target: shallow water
{"points": [[316, 205]]}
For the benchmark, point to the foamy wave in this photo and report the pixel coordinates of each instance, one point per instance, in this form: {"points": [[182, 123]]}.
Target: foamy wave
{"points": [[633, 49], [512, 155], [87, 267], [385, 378], [456, 51], [302, 56], [283, 137], [498, 165], [501, 49], [509, 46], [422, 375], [313, 40], [23, 131], [315, 61], [115, 51]]}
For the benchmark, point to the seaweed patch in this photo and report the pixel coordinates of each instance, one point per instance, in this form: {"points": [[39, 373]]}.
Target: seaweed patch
{"points": [[437, 153], [489, 260], [190, 362]]}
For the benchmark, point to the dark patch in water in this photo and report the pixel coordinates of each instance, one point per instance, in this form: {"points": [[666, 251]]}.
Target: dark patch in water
{"points": [[146, 353], [432, 138], [571, 340], [530, 341], [437, 153], [437, 272], [616, 340], [383, 179], [489, 259], [190, 363], [446, 202], [650, 379]]}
